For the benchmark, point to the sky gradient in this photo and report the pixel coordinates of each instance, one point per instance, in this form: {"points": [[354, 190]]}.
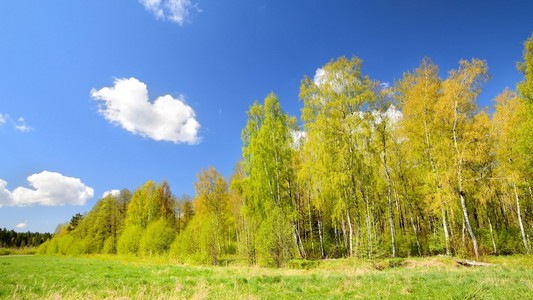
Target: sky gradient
{"points": [[103, 95]]}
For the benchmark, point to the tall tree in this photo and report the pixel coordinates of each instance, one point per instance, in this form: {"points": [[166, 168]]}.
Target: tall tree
{"points": [[212, 206], [336, 129], [509, 118], [456, 110], [418, 94], [267, 161]]}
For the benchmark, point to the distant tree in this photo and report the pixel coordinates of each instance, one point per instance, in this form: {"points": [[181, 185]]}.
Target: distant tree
{"points": [[211, 206], [74, 221]]}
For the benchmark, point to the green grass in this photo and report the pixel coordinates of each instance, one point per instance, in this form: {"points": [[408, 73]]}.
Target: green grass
{"points": [[54, 277]]}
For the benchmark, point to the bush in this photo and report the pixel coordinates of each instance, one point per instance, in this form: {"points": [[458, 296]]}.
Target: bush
{"points": [[129, 240], [186, 246], [43, 248], [274, 239], [157, 238], [109, 246], [53, 247], [303, 264]]}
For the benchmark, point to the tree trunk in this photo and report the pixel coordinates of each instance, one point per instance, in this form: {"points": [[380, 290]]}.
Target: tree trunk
{"points": [[446, 233], [295, 237], [322, 252], [391, 221], [350, 228], [463, 234], [492, 236], [524, 238], [459, 162], [415, 231], [344, 235], [468, 226], [311, 225], [337, 238], [389, 198], [368, 227]]}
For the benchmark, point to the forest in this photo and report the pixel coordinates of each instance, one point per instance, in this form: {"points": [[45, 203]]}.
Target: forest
{"points": [[13, 239], [411, 169]]}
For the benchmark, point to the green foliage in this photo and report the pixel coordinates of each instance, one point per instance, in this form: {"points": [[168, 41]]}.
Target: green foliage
{"points": [[187, 245], [437, 175], [157, 238], [275, 239], [13, 239], [129, 240], [526, 67]]}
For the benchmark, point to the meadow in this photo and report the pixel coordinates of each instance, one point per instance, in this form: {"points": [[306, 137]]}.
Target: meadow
{"points": [[112, 277]]}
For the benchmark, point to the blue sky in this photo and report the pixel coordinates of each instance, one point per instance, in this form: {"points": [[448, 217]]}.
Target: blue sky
{"points": [[75, 121]]}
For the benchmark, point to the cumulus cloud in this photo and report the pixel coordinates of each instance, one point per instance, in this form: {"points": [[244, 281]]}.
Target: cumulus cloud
{"points": [[21, 225], [5, 194], [165, 119], [111, 192], [177, 11], [48, 189]]}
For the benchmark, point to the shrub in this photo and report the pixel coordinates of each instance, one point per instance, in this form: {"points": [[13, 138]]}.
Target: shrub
{"points": [[274, 239], [157, 238], [129, 240]]}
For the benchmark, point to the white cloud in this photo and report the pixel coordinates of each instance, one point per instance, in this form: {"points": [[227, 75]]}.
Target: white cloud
{"points": [[21, 125], [165, 119], [5, 194], [298, 138], [337, 81], [392, 116], [319, 76], [48, 189], [177, 11], [21, 225], [111, 192]]}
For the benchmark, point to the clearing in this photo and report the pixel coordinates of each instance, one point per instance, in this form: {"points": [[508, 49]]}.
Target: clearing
{"points": [[111, 277]]}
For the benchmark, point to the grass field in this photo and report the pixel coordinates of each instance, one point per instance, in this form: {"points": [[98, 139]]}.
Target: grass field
{"points": [[52, 277]]}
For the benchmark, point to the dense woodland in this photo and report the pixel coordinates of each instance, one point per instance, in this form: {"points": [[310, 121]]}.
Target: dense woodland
{"points": [[413, 169], [13, 239]]}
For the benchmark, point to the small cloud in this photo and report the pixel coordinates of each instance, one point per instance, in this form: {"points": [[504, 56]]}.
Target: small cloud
{"points": [[319, 76], [21, 225], [21, 125], [165, 119], [298, 138], [113, 193], [48, 189], [392, 116], [177, 11], [384, 85]]}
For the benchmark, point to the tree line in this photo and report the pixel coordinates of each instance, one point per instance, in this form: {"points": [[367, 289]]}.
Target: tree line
{"points": [[413, 169], [13, 239]]}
